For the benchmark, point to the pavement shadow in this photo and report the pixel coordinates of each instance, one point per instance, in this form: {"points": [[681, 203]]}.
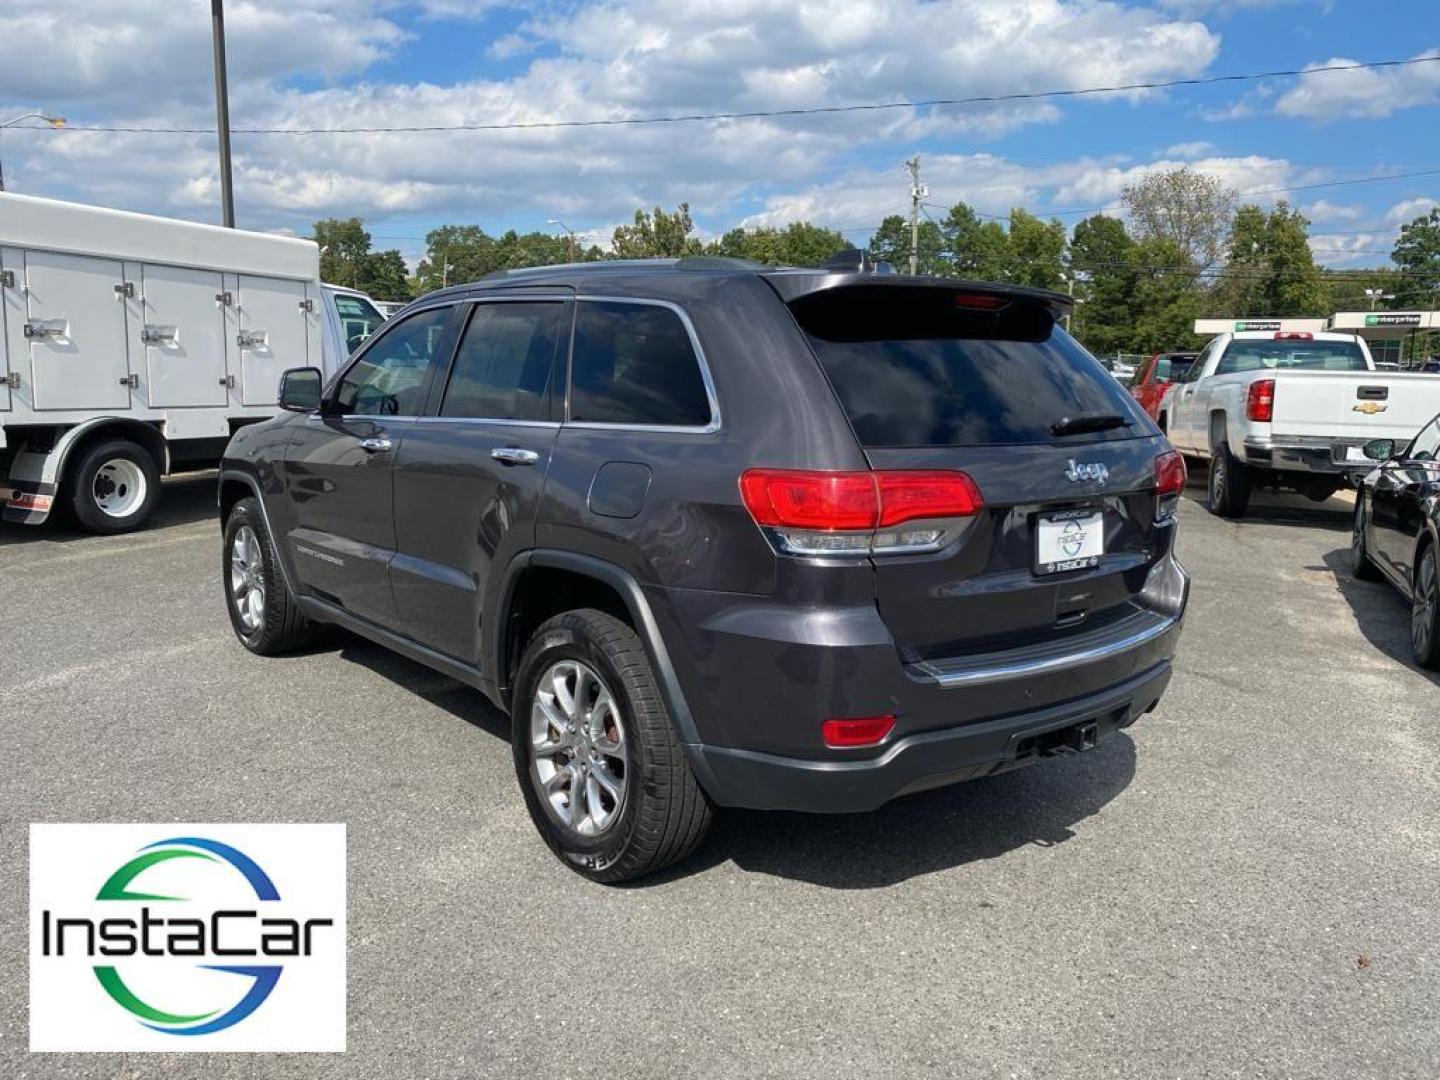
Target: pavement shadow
{"points": [[1278, 507], [185, 498], [919, 834], [1381, 614]]}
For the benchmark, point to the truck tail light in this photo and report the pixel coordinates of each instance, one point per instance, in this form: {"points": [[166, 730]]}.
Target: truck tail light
{"points": [[859, 513], [1260, 401], [861, 731], [1294, 335], [1170, 477]]}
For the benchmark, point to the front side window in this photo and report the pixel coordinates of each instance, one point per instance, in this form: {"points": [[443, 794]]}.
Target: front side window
{"points": [[1427, 443], [502, 369], [390, 377], [635, 364]]}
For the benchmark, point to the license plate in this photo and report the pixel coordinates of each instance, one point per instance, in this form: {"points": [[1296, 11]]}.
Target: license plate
{"points": [[1073, 540], [1355, 453]]}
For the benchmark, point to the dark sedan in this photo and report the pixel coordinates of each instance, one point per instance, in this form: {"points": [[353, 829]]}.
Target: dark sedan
{"points": [[1397, 531]]}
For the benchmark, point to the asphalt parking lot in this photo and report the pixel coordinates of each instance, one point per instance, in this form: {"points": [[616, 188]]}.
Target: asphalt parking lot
{"points": [[1247, 883]]}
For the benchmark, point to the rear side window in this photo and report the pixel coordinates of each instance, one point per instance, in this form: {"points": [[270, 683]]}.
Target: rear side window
{"points": [[635, 364], [502, 370], [1283, 355], [915, 367]]}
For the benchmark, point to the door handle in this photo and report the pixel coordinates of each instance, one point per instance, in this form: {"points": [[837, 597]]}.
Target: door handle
{"points": [[514, 455], [376, 445]]}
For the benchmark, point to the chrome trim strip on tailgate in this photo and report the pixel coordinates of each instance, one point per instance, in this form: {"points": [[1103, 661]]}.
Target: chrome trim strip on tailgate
{"points": [[1023, 663]]}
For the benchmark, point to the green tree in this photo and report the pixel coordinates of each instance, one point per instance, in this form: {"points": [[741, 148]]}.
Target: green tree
{"points": [[1269, 268], [1102, 258], [1417, 256], [344, 245], [891, 243], [1167, 300], [978, 250], [656, 235], [798, 244], [1039, 250], [384, 276], [456, 254]]}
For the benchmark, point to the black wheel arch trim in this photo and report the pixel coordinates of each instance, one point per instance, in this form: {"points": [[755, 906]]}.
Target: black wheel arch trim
{"points": [[646, 627], [231, 474]]}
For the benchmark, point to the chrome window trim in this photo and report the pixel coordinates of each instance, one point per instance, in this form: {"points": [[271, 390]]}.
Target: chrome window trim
{"points": [[706, 378]]}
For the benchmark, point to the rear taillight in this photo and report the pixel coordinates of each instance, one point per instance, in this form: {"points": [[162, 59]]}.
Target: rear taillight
{"points": [[859, 513], [1170, 477], [1260, 401], [861, 731]]}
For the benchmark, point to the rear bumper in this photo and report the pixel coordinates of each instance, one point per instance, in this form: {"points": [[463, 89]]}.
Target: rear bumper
{"points": [[929, 759], [760, 677]]}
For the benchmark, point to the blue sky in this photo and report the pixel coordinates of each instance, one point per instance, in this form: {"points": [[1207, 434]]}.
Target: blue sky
{"points": [[330, 63]]}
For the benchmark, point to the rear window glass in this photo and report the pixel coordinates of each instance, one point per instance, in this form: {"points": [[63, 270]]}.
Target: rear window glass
{"points": [[634, 364], [1290, 356], [915, 368]]}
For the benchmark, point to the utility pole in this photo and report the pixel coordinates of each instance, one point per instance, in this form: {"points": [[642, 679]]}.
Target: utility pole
{"points": [[222, 112], [918, 191]]}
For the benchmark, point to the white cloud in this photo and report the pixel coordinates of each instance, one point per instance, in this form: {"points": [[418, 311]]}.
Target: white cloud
{"points": [[1372, 92], [1324, 210], [292, 62], [1189, 149], [1407, 211]]}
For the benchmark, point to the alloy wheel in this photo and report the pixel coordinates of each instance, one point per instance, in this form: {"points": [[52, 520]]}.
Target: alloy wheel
{"points": [[578, 749], [247, 579], [1426, 600]]}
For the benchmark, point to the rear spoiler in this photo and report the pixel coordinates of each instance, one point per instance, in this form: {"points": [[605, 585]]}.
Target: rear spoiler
{"points": [[794, 284]]}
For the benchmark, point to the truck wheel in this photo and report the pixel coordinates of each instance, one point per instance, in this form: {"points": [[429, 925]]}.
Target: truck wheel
{"points": [[1229, 484], [604, 777], [1361, 568], [114, 487], [1425, 611], [266, 618]]}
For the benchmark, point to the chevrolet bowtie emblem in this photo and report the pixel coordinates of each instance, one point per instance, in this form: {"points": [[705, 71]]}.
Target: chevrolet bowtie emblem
{"points": [[1370, 408]]}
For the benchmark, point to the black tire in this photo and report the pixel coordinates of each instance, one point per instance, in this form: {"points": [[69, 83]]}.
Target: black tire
{"points": [[662, 814], [1229, 484], [114, 486], [280, 626], [1425, 610], [1361, 568]]}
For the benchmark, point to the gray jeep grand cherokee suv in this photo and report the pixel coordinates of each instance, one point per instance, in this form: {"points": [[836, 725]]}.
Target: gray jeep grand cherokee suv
{"points": [[717, 534]]}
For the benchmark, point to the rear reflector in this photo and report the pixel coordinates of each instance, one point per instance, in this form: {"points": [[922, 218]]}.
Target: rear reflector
{"points": [[1260, 401], [858, 513], [861, 731]]}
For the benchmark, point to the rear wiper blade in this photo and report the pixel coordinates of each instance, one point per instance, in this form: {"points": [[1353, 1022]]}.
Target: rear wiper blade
{"points": [[1080, 425]]}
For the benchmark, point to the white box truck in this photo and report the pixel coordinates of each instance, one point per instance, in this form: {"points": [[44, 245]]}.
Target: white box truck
{"points": [[133, 345]]}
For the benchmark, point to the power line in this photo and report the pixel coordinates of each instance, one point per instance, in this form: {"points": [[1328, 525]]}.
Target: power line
{"points": [[766, 114]]}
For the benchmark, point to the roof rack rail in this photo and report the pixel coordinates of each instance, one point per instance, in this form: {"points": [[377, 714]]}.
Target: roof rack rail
{"points": [[718, 262]]}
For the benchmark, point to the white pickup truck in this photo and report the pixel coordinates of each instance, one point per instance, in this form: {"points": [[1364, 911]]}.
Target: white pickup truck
{"points": [[133, 345], [1290, 409]]}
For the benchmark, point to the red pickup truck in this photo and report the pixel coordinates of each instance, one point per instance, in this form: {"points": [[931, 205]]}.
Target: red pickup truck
{"points": [[1154, 376]]}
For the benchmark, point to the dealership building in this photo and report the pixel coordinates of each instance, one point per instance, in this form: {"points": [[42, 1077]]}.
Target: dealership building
{"points": [[1385, 332]]}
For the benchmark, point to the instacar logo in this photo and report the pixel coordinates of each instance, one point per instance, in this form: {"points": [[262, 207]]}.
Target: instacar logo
{"points": [[187, 940]]}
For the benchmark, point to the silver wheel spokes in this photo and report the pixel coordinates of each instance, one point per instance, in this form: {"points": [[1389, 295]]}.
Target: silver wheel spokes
{"points": [[577, 740], [247, 578], [118, 488], [1427, 596]]}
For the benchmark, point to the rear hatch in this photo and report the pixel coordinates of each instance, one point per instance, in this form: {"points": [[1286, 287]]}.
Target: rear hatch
{"points": [[983, 381]]}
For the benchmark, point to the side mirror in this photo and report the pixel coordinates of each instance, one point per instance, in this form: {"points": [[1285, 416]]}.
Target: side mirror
{"points": [[1379, 449], [300, 389]]}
